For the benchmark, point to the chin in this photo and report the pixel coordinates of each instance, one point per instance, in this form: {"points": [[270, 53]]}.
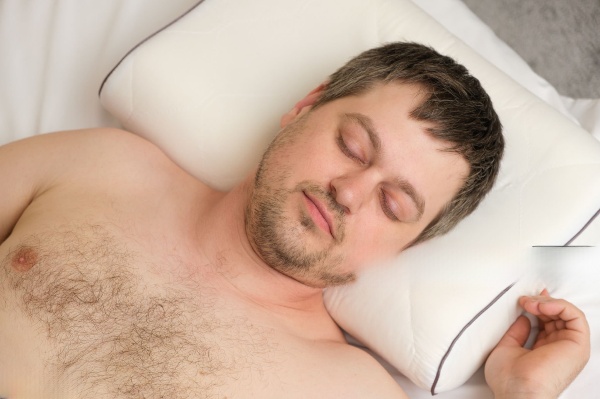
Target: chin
{"points": [[316, 278]]}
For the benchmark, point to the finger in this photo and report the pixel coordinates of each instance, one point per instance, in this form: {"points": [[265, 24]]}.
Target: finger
{"points": [[565, 314], [517, 334], [540, 340], [543, 295], [549, 310], [555, 325], [530, 304]]}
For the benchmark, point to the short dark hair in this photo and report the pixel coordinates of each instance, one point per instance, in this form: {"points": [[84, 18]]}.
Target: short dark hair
{"points": [[459, 108]]}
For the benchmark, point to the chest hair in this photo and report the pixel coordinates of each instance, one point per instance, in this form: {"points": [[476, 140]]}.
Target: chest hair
{"points": [[112, 332]]}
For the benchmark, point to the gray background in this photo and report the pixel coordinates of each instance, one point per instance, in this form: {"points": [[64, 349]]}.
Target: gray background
{"points": [[559, 39]]}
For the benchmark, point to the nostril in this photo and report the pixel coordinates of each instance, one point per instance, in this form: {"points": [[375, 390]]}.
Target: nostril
{"points": [[344, 209], [334, 204], [342, 199], [332, 191]]}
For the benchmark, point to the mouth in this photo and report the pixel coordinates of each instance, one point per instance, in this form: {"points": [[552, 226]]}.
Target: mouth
{"points": [[319, 214]]}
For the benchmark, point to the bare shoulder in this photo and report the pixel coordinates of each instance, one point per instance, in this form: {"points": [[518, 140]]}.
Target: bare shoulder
{"points": [[362, 376], [87, 146], [87, 154], [107, 160]]}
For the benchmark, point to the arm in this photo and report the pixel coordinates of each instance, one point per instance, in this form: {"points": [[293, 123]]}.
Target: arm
{"points": [[33, 166], [561, 350], [21, 173]]}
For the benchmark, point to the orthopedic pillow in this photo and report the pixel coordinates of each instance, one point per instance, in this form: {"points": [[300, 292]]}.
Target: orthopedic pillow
{"points": [[209, 90]]}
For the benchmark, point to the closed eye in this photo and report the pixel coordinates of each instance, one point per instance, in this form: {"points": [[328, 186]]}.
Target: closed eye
{"points": [[347, 151], [386, 206]]}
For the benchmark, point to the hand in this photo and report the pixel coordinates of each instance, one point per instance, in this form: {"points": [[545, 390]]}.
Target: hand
{"points": [[561, 350]]}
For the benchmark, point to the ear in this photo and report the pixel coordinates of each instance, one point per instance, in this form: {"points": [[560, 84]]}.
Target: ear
{"points": [[303, 105]]}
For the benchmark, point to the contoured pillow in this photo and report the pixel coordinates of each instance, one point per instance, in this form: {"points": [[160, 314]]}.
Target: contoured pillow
{"points": [[210, 89]]}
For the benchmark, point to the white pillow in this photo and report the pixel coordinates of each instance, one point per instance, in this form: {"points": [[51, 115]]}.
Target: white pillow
{"points": [[210, 89]]}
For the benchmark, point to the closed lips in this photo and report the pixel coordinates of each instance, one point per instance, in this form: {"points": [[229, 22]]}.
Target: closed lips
{"points": [[323, 213]]}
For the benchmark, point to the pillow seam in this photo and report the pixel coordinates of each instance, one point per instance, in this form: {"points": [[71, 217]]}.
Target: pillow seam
{"points": [[584, 228], [455, 340], [142, 42]]}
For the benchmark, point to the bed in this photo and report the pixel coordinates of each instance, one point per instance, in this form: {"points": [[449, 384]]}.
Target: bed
{"points": [[56, 56]]}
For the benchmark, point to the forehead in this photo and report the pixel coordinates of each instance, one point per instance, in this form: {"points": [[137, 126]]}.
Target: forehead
{"points": [[394, 98]]}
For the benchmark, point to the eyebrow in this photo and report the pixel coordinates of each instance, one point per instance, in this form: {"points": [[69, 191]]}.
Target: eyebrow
{"points": [[367, 124]]}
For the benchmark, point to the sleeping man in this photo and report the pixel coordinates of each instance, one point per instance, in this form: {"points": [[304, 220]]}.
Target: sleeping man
{"points": [[122, 276]]}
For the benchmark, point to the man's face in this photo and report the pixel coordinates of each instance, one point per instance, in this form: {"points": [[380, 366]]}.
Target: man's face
{"points": [[351, 182]]}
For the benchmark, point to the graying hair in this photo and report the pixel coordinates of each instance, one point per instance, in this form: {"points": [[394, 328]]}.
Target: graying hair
{"points": [[459, 108]]}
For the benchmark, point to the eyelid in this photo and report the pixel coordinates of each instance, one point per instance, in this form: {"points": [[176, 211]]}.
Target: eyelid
{"points": [[386, 207], [346, 150]]}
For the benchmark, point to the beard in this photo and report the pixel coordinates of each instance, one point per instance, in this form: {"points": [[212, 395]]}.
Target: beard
{"points": [[282, 239]]}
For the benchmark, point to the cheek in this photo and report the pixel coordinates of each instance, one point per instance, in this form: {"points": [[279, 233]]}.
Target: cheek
{"points": [[372, 241], [316, 163]]}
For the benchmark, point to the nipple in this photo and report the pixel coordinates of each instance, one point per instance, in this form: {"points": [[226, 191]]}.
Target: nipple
{"points": [[24, 259]]}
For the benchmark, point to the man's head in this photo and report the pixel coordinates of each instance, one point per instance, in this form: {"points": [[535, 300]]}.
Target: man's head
{"points": [[454, 102], [384, 159]]}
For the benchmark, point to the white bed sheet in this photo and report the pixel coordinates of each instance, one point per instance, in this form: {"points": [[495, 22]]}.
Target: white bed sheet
{"points": [[56, 53]]}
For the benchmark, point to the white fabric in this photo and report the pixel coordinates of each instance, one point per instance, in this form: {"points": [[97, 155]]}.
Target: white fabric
{"points": [[55, 55], [587, 111], [406, 310]]}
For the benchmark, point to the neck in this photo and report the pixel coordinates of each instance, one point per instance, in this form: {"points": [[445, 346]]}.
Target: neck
{"points": [[224, 241]]}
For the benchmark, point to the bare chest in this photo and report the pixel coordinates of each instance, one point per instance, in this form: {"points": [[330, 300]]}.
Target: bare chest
{"points": [[96, 325]]}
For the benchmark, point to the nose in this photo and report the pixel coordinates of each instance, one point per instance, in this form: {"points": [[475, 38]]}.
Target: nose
{"points": [[352, 191]]}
